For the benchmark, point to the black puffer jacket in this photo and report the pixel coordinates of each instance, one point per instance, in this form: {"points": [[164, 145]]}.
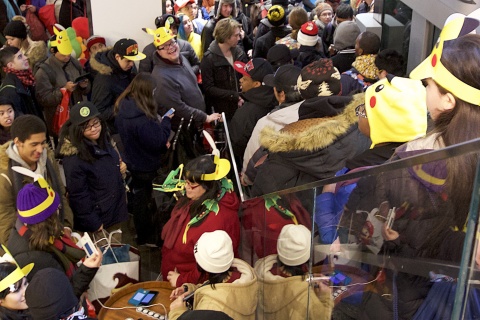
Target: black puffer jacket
{"points": [[311, 149], [265, 42], [220, 81]]}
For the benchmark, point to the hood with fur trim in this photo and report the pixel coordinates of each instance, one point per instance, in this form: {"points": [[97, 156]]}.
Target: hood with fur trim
{"points": [[67, 148], [314, 133], [218, 16], [102, 61]]}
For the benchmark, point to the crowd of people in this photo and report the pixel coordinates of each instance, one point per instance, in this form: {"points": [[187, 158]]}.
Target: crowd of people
{"points": [[306, 96]]}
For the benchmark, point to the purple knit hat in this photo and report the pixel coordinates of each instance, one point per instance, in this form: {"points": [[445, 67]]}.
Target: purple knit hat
{"points": [[36, 202]]}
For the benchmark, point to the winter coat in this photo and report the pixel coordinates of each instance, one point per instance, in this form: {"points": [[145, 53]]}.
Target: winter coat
{"points": [[47, 89], [311, 149], [23, 98], [258, 102], [144, 139], [343, 60], [186, 49], [308, 54], [288, 298], [238, 299], [109, 83], [36, 52], [180, 256], [278, 118], [11, 182], [177, 88], [20, 249], [265, 42], [7, 314], [220, 81], [420, 205], [96, 190]]}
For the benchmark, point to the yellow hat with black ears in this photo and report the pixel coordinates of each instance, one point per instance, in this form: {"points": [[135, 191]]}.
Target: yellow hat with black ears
{"points": [[161, 35], [432, 67], [15, 275]]}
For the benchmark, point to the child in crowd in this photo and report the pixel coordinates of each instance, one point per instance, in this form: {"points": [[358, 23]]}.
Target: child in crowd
{"points": [[7, 114]]}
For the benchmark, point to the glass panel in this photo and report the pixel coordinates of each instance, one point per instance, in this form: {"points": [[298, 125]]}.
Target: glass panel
{"points": [[413, 275]]}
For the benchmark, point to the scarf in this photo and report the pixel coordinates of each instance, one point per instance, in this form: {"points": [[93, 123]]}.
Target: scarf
{"points": [[365, 65], [25, 76], [11, 11]]}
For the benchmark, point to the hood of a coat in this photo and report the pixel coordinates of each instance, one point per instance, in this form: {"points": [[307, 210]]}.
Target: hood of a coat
{"points": [[67, 148], [102, 61], [218, 16], [311, 134], [240, 296], [261, 96]]}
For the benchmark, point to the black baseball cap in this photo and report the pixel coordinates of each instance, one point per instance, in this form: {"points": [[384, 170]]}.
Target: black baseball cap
{"points": [[285, 78], [128, 49], [82, 112]]}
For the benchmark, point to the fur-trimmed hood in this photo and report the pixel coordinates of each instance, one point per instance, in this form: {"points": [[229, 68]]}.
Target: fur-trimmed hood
{"points": [[313, 133], [102, 61], [67, 148]]}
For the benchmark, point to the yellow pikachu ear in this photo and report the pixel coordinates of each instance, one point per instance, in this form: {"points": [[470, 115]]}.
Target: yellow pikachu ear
{"points": [[149, 31], [167, 24]]}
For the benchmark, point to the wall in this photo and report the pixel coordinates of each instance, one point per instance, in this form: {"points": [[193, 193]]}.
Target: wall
{"points": [[116, 19]]}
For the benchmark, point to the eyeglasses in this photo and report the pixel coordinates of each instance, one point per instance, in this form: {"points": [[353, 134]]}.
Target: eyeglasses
{"points": [[92, 126], [360, 111], [168, 46], [191, 185]]}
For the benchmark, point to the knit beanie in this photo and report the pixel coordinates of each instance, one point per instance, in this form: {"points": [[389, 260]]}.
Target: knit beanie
{"points": [[214, 251], [276, 15], [308, 34], [50, 296], [294, 244], [396, 110], [345, 35], [319, 78], [16, 29], [36, 202], [94, 40], [321, 7]]}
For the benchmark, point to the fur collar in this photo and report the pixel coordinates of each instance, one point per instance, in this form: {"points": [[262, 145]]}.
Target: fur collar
{"points": [[311, 134], [68, 149], [100, 66]]}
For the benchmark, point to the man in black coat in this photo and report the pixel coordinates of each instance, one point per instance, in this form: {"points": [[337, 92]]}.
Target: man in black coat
{"points": [[259, 100]]}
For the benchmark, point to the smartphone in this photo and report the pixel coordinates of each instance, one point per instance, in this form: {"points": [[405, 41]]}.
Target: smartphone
{"points": [[82, 77], [149, 297], [169, 112], [87, 244], [391, 217], [138, 297]]}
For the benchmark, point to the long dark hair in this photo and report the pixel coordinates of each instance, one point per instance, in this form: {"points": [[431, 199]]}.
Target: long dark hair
{"points": [[74, 133], [300, 270], [7, 268], [214, 278], [460, 124], [193, 172], [141, 90]]}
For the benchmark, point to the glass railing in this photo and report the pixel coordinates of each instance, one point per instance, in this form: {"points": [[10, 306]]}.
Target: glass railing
{"points": [[426, 269]]}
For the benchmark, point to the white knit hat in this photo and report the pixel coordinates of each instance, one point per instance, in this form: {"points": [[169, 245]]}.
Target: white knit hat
{"points": [[308, 34], [214, 251], [293, 245]]}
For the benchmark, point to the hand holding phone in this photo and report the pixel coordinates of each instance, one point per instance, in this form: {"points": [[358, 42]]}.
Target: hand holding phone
{"points": [[169, 113], [87, 244]]}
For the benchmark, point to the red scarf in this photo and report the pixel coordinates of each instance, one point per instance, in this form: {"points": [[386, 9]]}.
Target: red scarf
{"points": [[25, 76]]}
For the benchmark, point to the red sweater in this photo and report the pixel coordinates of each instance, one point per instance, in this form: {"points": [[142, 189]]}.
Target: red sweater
{"points": [[181, 256]]}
